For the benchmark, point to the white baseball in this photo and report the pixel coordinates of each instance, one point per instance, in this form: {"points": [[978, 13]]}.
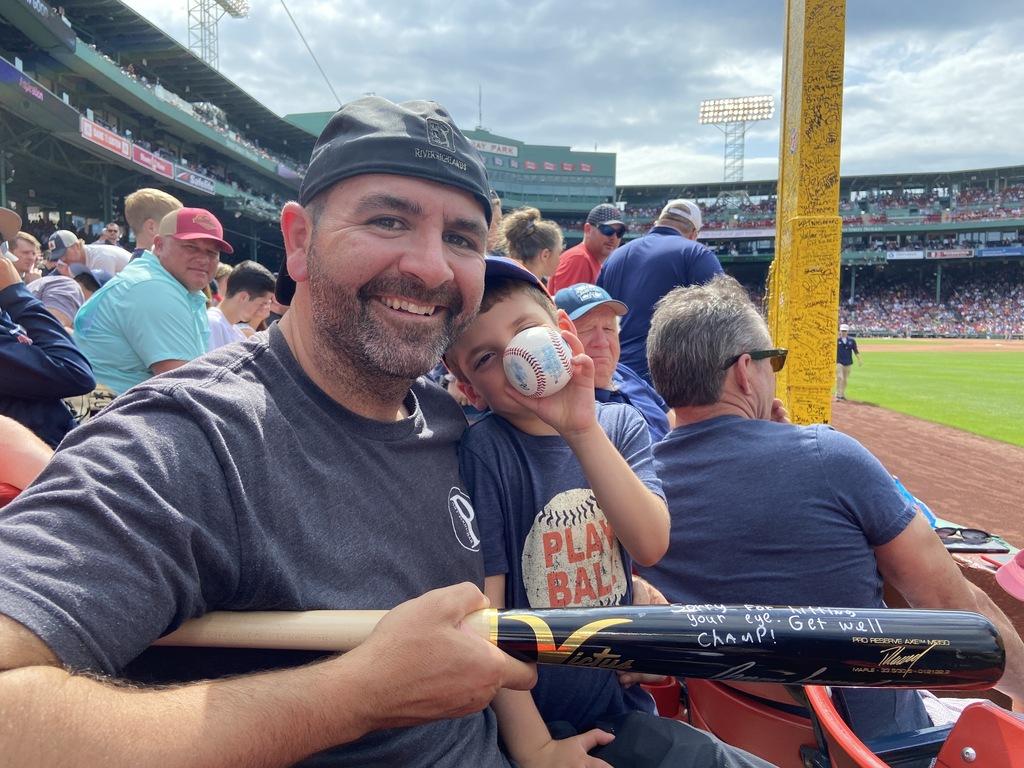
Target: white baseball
{"points": [[538, 361]]}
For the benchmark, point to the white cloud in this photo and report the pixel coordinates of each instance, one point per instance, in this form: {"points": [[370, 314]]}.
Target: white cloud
{"points": [[929, 85]]}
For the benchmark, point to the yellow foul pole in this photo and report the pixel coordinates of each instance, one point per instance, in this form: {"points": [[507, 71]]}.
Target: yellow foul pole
{"points": [[803, 282]]}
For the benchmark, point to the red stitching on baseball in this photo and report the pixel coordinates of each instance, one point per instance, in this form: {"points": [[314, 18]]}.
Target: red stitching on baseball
{"points": [[561, 346], [530, 360]]}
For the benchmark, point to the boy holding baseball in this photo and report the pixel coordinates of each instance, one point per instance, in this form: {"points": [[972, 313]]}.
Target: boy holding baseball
{"points": [[565, 498]]}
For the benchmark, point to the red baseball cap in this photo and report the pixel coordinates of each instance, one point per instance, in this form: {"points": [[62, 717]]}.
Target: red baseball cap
{"points": [[194, 224], [1011, 576]]}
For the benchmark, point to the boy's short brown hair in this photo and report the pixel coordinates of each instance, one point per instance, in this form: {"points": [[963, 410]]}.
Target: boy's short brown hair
{"points": [[498, 289]]}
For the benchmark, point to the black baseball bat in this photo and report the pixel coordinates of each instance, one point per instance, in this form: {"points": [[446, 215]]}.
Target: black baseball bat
{"points": [[796, 645]]}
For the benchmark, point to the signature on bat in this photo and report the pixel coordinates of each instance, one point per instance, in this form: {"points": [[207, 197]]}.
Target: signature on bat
{"points": [[897, 656]]}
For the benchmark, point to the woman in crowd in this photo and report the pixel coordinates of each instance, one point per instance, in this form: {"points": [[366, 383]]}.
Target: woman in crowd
{"points": [[532, 241]]}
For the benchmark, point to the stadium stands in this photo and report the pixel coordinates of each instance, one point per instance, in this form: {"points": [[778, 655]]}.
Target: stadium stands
{"points": [[96, 102]]}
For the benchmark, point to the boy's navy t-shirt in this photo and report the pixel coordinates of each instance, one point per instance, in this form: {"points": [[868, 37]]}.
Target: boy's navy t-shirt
{"points": [[542, 528]]}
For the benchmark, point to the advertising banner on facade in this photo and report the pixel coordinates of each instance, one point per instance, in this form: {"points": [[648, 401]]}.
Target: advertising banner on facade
{"points": [[53, 19], [152, 162], [550, 166], [530, 165], [950, 253], [110, 141], [30, 99], [585, 167], [194, 180], [1012, 250]]}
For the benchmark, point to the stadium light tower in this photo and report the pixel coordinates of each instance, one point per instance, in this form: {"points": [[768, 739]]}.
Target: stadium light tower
{"points": [[731, 116], [203, 16]]}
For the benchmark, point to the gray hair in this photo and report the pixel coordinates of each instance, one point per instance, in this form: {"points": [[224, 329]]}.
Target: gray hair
{"points": [[694, 332]]}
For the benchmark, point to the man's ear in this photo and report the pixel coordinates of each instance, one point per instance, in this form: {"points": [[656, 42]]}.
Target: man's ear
{"points": [[564, 323], [297, 231], [742, 371]]}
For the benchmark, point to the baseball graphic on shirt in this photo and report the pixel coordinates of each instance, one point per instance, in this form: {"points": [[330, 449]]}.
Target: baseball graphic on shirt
{"points": [[571, 557], [538, 361]]}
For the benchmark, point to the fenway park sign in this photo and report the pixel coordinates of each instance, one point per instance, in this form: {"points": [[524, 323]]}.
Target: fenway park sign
{"points": [[193, 179]]}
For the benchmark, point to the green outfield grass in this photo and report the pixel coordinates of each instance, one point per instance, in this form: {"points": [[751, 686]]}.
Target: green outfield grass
{"points": [[974, 390]]}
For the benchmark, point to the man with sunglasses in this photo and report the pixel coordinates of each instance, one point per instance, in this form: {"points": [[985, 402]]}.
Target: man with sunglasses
{"points": [[602, 234], [642, 271], [110, 235], [769, 513]]}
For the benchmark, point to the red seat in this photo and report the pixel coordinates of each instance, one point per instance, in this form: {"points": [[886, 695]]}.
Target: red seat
{"points": [[768, 727], [667, 697], [845, 750], [995, 736]]}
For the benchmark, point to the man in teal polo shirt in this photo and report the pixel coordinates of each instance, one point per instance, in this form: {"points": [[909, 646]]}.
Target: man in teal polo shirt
{"points": [[151, 317]]}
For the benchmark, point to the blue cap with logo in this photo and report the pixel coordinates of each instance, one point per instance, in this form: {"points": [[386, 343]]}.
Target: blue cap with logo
{"points": [[579, 299]]}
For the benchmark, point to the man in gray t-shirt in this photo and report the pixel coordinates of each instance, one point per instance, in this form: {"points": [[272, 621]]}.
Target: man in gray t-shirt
{"points": [[305, 469]]}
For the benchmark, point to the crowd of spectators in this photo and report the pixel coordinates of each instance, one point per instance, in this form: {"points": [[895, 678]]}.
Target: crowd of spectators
{"points": [[971, 204], [208, 114], [155, 311], [201, 112], [984, 302]]}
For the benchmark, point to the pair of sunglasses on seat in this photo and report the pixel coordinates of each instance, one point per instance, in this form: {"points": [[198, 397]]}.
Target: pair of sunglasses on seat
{"points": [[970, 535]]}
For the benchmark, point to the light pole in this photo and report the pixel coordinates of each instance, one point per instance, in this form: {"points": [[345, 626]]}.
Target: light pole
{"points": [[731, 116], [203, 16]]}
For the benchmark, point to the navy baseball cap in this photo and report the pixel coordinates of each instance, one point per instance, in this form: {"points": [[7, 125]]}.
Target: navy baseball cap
{"points": [[579, 299], [374, 135], [502, 266], [59, 243]]}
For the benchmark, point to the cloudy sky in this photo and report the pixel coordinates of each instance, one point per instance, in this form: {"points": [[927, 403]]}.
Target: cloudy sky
{"points": [[930, 84]]}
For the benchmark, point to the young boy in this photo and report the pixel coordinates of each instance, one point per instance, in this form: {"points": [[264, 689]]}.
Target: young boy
{"points": [[565, 498]]}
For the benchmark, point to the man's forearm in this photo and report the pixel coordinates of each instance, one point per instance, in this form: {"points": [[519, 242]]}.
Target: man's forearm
{"points": [[1012, 683], [50, 717]]}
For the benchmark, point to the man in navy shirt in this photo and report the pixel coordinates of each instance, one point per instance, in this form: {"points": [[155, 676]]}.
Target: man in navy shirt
{"points": [[642, 271], [596, 317], [845, 350], [769, 513], [40, 362]]}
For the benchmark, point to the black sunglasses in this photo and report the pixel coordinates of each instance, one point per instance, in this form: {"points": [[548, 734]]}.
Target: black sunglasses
{"points": [[777, 357], [608, 230], [971, 535]]}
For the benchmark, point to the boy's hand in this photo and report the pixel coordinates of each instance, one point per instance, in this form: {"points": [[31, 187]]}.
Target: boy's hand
{"points": [[627, 679], [570, 752], [779, 412], [645, 593], [570, 410]]}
